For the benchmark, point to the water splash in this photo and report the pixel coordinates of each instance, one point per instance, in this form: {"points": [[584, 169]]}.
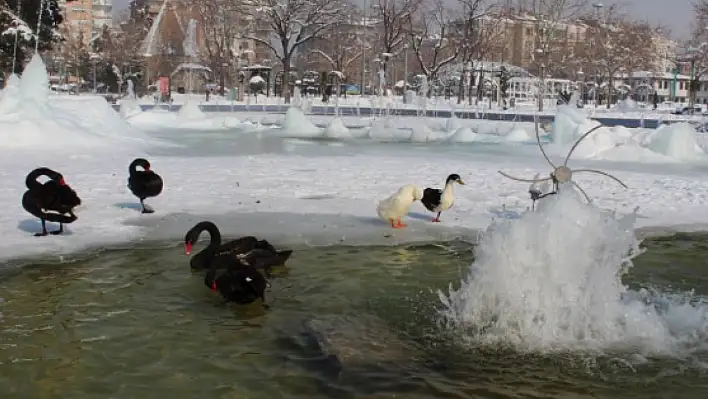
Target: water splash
{"points": [[551, 281]]}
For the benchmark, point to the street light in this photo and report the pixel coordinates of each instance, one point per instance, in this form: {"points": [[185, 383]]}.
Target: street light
{"points": [[541, 84], [94, 59], [405, 73]]}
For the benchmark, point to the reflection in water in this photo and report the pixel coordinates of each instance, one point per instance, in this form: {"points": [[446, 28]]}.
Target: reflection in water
{"points": [[345, 322]]}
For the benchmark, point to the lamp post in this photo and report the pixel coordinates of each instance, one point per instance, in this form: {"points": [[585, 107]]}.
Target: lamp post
{"points": [[405, 73], [581, 80], [541, 83], [94, 59]]}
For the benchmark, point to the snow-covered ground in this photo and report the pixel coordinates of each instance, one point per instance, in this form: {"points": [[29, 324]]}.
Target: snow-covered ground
{"points": [[298, 183]]}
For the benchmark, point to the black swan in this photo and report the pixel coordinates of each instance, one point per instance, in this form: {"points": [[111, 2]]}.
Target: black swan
{"points": [[248, 250], [242, 285], [436, 200], [144, 183], [52, 201]]}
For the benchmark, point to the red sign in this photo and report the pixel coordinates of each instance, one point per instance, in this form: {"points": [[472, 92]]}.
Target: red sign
{"points": [[164, 85]]}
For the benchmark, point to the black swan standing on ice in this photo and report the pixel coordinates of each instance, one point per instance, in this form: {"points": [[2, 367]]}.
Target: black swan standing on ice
{"points": [[436, 200], [242, 285], [248, 250], [52, 201], [144, 183]]}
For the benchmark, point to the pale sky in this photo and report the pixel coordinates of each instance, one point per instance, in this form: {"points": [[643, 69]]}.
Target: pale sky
{"points": [[677, 15]]}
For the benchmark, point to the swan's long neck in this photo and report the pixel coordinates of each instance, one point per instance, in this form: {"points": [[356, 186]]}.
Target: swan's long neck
{"points": [[214, 236], [31, 180], [133, 168]]}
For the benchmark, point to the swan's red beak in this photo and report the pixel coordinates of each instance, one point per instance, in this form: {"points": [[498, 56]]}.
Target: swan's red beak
{"points": [[62, 182], [213, 286], [188, 248]]}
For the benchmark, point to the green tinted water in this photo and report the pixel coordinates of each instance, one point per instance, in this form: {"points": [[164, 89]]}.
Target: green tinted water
{"points": [[345, 322]]}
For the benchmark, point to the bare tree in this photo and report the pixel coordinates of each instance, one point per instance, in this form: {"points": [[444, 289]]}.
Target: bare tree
{"points": [[342, 47], [221, 25], [394, 18], [433, 37], [472, 33], [294, 23], [551, 20], [615, 46]]}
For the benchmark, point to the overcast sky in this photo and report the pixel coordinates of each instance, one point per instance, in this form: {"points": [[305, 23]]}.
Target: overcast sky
{"points": [[677, 15]]}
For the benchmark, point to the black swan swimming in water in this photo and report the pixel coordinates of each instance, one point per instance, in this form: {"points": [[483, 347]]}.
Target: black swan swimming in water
{"points": [[144, 183], [242, 285], [248, 250], [52, 201]]}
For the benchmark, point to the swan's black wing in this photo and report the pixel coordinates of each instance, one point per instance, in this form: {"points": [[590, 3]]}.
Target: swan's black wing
{"points": [[239, 246], [145, 184], [264, 259], [431, 198]]}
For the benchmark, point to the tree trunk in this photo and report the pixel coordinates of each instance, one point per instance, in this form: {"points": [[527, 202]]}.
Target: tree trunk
{"points": [[610, 87], [285, 82], [461, 88]]}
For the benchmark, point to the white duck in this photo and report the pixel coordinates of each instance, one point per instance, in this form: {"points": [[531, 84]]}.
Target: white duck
{"points": [[393, 208]]}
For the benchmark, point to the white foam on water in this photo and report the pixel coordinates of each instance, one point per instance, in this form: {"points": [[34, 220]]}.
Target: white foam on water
{"points": [[551, 281]]}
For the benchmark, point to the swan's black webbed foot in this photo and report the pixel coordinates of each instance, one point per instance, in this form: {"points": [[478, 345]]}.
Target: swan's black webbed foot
{"points": [[56, 232], [42, 234], [146, 209]]}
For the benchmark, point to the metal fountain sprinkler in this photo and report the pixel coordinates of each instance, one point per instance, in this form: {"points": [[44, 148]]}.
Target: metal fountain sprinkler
{"points": [[563, 173]]}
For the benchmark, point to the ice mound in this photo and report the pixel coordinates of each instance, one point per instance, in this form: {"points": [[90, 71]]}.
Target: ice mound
{"points": [[627, 105], [421, 133], [10, 94], [552, 281], [190, 111], [336, 130], [452, 124], [569, 124], [129, 107], [467, 135], [677, 140], [518, 134], [296, 124], [384, 130], [64, 125], [671, 143]]}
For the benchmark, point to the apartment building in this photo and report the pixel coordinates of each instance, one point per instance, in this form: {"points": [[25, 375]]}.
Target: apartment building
{"points": [[84, 19]]}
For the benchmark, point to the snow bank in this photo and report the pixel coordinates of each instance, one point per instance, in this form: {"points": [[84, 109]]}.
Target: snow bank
{"points": [[677, 141], [669, 143], [30, 121]]}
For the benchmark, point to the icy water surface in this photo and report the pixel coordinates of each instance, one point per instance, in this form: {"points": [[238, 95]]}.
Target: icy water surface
{"points": [[344, 322]]}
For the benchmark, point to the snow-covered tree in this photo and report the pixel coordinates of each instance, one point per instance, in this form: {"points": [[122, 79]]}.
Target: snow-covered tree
{"points": [[341, 48], [433, 37], [394, 18], [474, 34], [615, 46], [22, 20], [222, 23], [292, 23], [550, 17]]}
